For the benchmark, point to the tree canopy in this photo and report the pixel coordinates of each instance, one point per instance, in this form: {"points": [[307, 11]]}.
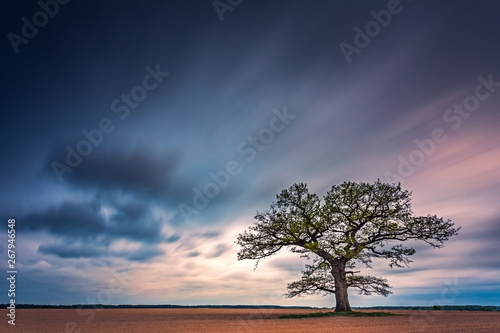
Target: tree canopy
{"points": [[351, 225]]}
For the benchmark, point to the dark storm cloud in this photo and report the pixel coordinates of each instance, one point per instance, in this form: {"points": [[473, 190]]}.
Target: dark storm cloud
{"points": [[82, 230], [145, 172], [70, 219], [140, 170], [84, 220], [133, 221], [89, 250], [71, 251]]}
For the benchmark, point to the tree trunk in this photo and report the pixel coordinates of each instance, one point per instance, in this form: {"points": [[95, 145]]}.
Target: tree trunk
{"points": [[341, 296]]}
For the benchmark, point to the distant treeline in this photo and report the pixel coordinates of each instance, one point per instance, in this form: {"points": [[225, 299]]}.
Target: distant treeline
{"points": [[173, 306], [437, 307], [159, 306]]}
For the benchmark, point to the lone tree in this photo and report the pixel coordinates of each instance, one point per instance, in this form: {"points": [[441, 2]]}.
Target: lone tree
{"points": [[354, 223]]}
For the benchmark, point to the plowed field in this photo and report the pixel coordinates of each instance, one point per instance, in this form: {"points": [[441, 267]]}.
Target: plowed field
{"points": [[242, 320]]}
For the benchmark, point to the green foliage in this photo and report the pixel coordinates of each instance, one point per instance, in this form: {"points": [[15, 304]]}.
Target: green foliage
{"points": [[437, 307], [352, 224]]}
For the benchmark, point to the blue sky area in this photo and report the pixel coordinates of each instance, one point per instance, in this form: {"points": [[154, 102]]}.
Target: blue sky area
{"points": [[139, 138]]}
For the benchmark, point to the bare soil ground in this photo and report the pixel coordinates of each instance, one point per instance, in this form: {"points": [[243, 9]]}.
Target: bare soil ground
{"points": [[242, 320]]}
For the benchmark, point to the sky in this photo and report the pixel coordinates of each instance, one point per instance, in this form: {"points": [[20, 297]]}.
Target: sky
{"points": [[139, 139]]}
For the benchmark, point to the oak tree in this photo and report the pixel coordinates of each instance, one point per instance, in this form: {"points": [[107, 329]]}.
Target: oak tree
{"points": [[351, 225]]}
